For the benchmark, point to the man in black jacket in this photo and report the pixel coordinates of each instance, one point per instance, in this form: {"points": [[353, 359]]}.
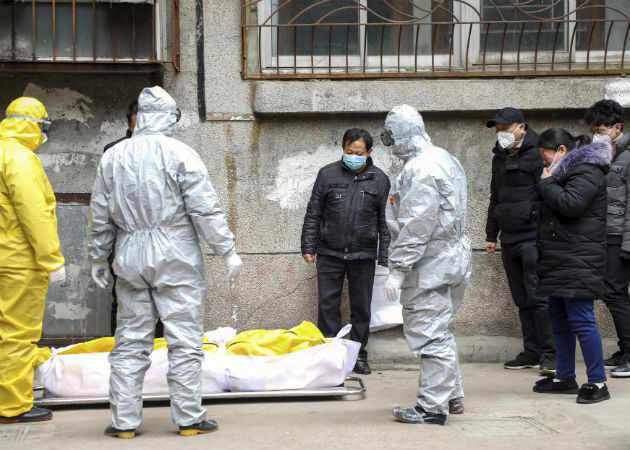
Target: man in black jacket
{"points": [[345, 227], [514, 213], [605, 119]]}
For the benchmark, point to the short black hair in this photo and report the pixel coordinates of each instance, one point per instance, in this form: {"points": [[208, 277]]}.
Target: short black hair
{"points": [[132, 110], [604, 112], [356, 134]]}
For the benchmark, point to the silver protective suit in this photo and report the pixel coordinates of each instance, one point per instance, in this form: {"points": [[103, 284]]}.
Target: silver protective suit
{"points": [[427, 220], [153, 196]]}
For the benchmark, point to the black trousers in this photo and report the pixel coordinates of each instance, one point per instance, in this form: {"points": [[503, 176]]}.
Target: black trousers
{"points": [[331, 273], [616, 294], [520, 261]]}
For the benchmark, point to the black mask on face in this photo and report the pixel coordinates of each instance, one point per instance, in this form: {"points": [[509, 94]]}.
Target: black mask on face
{"points": [[386, 138]]}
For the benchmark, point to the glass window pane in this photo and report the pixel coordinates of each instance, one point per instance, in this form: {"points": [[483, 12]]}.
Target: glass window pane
{"points": [[84, 30], [144, 29], [527, 30], [396, 34], [338, 38], [608, 21], [104, 19], [5, 31], [44, 30], [63, 30]]}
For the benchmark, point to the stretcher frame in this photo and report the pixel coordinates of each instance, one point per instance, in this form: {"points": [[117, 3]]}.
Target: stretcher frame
{"points": [[351, 386]]}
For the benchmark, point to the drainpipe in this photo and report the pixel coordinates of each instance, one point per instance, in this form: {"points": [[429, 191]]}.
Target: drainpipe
{"points": [[201, 70]]}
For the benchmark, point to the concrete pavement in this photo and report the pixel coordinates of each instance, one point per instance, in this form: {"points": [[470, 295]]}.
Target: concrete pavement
{"points": [[502, 412]]}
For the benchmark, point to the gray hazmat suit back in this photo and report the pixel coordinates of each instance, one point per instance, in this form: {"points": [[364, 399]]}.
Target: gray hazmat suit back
{"points": [[427, 220], [153, 196]]}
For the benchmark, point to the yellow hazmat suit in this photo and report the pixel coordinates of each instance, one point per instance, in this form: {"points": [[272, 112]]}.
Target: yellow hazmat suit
{"points": [[29, 250]]}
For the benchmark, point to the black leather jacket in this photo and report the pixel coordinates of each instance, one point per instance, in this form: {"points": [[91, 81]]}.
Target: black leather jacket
{"points": [[345, 216]]}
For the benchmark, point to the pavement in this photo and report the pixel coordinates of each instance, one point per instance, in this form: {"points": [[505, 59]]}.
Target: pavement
{"points": [[502, 412]]}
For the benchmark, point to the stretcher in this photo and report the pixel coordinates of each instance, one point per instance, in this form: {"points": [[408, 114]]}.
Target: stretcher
{"points": [[353, 386]]}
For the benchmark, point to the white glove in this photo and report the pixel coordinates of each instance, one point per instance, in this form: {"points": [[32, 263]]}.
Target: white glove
{"points": [[100, 274], [234, 264], [57, 277], [393, 284]]}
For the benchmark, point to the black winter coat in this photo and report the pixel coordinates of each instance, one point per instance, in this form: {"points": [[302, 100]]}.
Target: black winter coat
{"points": [[345, 216], [618, 180], [572, 231], [514, 209]]}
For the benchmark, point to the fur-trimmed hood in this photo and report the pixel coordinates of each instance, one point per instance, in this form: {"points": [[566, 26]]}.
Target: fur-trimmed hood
{"points": [[597, 153]]}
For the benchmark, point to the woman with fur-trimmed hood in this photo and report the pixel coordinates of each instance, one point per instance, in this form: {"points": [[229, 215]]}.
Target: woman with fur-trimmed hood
{"points": [[572, 265]]}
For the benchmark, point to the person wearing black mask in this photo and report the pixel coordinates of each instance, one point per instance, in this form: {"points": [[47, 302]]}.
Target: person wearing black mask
{"points": [[514, 215]]}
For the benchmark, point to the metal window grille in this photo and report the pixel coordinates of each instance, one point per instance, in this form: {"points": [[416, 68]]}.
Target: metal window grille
{"points": [[434, 38], [89, 31]]}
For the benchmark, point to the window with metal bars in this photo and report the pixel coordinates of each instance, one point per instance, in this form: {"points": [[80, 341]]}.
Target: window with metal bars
{"points": [[358, 38], [100, 31]]}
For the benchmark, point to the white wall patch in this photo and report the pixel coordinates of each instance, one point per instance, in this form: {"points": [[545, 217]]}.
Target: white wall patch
{"points": [[63, 103]]}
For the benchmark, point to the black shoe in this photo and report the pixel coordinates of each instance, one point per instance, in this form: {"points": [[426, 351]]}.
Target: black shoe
{"points": [[417, 415], [622, 370], [615, 360], [206, 426], [590, 393], [548, 386], [522, 361], [548, 364], [361, 367], [33, 415], [122, 434], [455, 406]]}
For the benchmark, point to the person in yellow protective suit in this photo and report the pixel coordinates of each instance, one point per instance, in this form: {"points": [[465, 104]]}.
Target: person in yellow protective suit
{"points": [[30, 256]]}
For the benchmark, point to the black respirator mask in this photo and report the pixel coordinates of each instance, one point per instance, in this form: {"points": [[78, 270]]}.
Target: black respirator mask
{"points": [[386, 138]]}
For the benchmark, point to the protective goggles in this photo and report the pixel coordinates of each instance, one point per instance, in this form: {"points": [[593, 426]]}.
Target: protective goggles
{"points": [[177, 112], [387, 138], [45, 122]]}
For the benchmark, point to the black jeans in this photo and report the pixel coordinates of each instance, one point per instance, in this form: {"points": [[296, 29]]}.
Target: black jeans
{"points": [[331, 273], [520, 261], [616, 294]]}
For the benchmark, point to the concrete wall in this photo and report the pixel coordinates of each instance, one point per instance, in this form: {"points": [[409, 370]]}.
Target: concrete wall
{"points": [[263, 169]]}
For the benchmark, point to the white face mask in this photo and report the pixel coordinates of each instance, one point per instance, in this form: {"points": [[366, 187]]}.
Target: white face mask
{"points": [[597, 137], [506, 138], [553, 162]]}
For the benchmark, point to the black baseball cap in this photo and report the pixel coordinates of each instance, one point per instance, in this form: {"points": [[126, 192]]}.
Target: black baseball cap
{"points": [[506, 116]]}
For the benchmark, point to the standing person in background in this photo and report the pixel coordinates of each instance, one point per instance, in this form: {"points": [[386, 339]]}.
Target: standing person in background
{"points": [[514, 213], [345, 227], [572, 267], [605, 119], [30, 256]]}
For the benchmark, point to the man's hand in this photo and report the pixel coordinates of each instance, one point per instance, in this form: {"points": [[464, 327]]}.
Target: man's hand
{"points": [[309, 258], [545, 174], [490, 247], [234, 264], [100, 274], [393, 284], [57, 277]]}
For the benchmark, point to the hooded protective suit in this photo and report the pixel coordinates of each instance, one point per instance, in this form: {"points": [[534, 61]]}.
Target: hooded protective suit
{"points": [[154, 196], [429, 253], [29, 250]]}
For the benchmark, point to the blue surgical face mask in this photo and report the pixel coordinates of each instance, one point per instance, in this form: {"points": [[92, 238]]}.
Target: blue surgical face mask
{"points": [[354, 162]]}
